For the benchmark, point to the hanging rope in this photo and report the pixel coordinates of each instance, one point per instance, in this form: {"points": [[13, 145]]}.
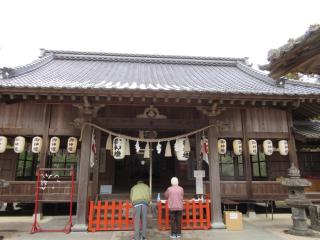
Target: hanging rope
{"points": [[146, 140]]}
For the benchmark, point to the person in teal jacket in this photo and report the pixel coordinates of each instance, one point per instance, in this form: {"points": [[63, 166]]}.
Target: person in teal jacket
{"points": [[140, 198]]}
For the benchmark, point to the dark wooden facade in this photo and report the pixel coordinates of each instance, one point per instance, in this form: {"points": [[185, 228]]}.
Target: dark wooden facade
{"points": [[27, 119]]}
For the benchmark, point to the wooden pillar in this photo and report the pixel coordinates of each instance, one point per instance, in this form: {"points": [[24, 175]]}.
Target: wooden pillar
{"points": [[246, 155], [95, 185], [214, 173], [291, 141], [45, 136], [45, 145], [83, 182], [197, 149]]}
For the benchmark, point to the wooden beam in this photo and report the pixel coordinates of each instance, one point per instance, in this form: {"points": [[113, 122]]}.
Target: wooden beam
{"points": [[64, 131], [21, 131], [265, 135], [214, 174], [83, 182], [158, 124]]}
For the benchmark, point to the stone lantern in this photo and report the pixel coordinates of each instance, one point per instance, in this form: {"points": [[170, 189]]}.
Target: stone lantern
{"points": [[298, 202]]}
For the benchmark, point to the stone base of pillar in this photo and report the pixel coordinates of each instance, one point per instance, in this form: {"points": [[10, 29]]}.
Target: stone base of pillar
{"points": [[251, 214], [307, 232], [80, 228], [218, 225]]}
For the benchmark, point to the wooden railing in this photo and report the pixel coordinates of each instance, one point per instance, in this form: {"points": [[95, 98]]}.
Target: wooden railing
{"points": [[24, 191], [261, 190], [269, 190], [234, 189]]}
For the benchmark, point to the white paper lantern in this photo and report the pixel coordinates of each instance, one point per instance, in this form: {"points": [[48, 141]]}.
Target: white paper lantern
{"points": [[36, 144], [267, 147], [119, 148], [3, 143], [222, 146], [253, 147], [283, 147], [237, 147], [19, 144], [54, 144], [180, 149], [72, 145]]}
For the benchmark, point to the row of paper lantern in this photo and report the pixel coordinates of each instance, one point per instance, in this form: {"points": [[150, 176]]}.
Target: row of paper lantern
{"points": [[121, 147], [36, 146], [253, 147]]}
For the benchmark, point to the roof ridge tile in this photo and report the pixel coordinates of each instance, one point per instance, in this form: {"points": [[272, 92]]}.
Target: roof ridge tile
{"points": [[136, 55]]}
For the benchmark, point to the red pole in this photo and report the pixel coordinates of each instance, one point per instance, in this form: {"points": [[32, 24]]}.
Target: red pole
{"points": [[71, 197], [34, 226]]}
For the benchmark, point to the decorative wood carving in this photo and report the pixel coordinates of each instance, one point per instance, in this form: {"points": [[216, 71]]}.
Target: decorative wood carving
{"points": [[151, 113], [212, 111], [87, 111]]}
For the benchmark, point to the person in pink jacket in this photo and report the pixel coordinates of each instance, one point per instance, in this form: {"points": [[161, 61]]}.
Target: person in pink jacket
{"points": [[174, 194]]}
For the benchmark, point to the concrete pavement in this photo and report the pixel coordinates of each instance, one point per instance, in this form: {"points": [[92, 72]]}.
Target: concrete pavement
{"points": [[254, 229]]}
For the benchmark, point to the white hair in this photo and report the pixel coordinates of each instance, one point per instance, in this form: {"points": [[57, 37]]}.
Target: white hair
{"points": [[174, 181]]}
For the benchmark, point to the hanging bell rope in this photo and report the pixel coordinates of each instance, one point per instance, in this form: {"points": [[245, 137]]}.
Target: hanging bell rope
{"points": [[146, 140]]}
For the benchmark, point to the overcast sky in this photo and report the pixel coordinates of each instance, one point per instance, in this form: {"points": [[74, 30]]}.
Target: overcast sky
{"points": [[238, 28]]}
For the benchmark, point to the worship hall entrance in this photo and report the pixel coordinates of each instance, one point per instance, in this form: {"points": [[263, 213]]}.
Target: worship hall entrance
{"points": [[117, 176]]}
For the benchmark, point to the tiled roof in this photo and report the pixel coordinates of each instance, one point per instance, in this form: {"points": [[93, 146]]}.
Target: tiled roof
{"points": [[275, 54], [85, 70], [308, 129]]}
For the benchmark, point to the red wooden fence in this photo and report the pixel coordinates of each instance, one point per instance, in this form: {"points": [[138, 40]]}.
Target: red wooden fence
{"points": [[110, 216], [195, 215]]}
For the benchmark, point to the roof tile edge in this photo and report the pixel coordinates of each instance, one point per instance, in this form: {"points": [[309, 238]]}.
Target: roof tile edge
{"points": [[20, 70]]}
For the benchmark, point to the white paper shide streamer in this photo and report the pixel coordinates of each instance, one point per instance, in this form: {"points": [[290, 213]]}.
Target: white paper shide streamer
{"points": [[158, 147], [168, 152], [137, 146], [146, 151], [109, 143], [127, 149]]}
